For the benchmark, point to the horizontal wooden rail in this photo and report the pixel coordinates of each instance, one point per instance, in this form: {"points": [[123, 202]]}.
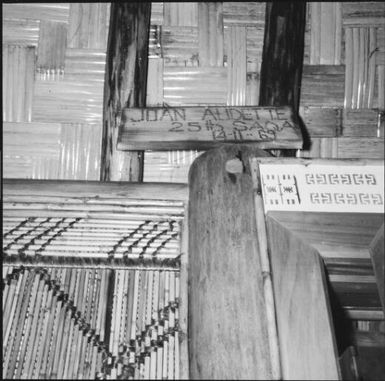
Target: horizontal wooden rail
{"points": [[92, 191]]}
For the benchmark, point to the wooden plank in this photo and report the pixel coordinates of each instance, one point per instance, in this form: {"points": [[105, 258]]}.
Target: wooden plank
{"points": [[321, 121], [207, 127], [360, 147], [299, 282], [88, 190], [282, 56], [227, 321], [323, 85], [376, 249], [362, 122], [125, 85]]}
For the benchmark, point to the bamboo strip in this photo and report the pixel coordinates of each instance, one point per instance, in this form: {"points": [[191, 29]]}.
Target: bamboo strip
{"points": [[19, 102], [10, 363], [8, 306], [356, 44], [45, 336], [36, 328], [338, 34], [101, 299], [361, 66], [381, 86], [349, 63], [236, 64], [56, 336], [67, 356], [315, 33], [27, 332], [123, 326], [372, 66], [267, 284], [12, 54], [95, 300], [83, 350], [12, 314], [61, 349], [76, 355]]}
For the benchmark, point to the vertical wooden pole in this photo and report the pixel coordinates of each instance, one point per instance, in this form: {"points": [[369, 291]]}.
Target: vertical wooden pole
{"points": [[282, 57], [228, 333], [125, 85]]}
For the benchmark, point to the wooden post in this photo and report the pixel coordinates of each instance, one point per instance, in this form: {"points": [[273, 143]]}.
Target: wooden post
{"points": [[282, 55], [228, 333], [124, 86]]}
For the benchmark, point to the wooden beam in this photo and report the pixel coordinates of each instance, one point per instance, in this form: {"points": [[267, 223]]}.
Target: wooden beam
{"points": [[125, 85], [376, 249], [207, 127], [282, 55], [228, 333], [89, 192]]}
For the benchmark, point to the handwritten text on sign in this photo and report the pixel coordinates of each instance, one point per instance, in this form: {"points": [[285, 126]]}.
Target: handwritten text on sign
{"points": [[207, 124]]}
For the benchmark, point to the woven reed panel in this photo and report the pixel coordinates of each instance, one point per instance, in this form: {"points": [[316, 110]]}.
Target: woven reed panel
{"points": [[91, 280], [53, 73], [90, 323]]}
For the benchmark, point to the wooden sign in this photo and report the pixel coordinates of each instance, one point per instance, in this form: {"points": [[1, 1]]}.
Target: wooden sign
{"points": [[320, 186], [206, 127]]}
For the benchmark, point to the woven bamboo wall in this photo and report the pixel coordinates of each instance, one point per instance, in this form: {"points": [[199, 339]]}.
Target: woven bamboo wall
{"points": [[200, 54], [344, 77], [53, 73]]}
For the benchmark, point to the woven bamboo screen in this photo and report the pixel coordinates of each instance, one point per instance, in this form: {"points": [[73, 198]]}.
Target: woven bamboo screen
{"points": [[92, 280], [200, 54]]}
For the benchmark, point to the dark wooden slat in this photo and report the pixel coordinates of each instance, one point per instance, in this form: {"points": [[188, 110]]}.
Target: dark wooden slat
{"points": [[282, 55], [227, 321], [207, 127], [125, 85]]}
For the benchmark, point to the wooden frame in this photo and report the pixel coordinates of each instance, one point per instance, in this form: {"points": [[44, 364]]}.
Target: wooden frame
{"points": [[300, 245]]}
